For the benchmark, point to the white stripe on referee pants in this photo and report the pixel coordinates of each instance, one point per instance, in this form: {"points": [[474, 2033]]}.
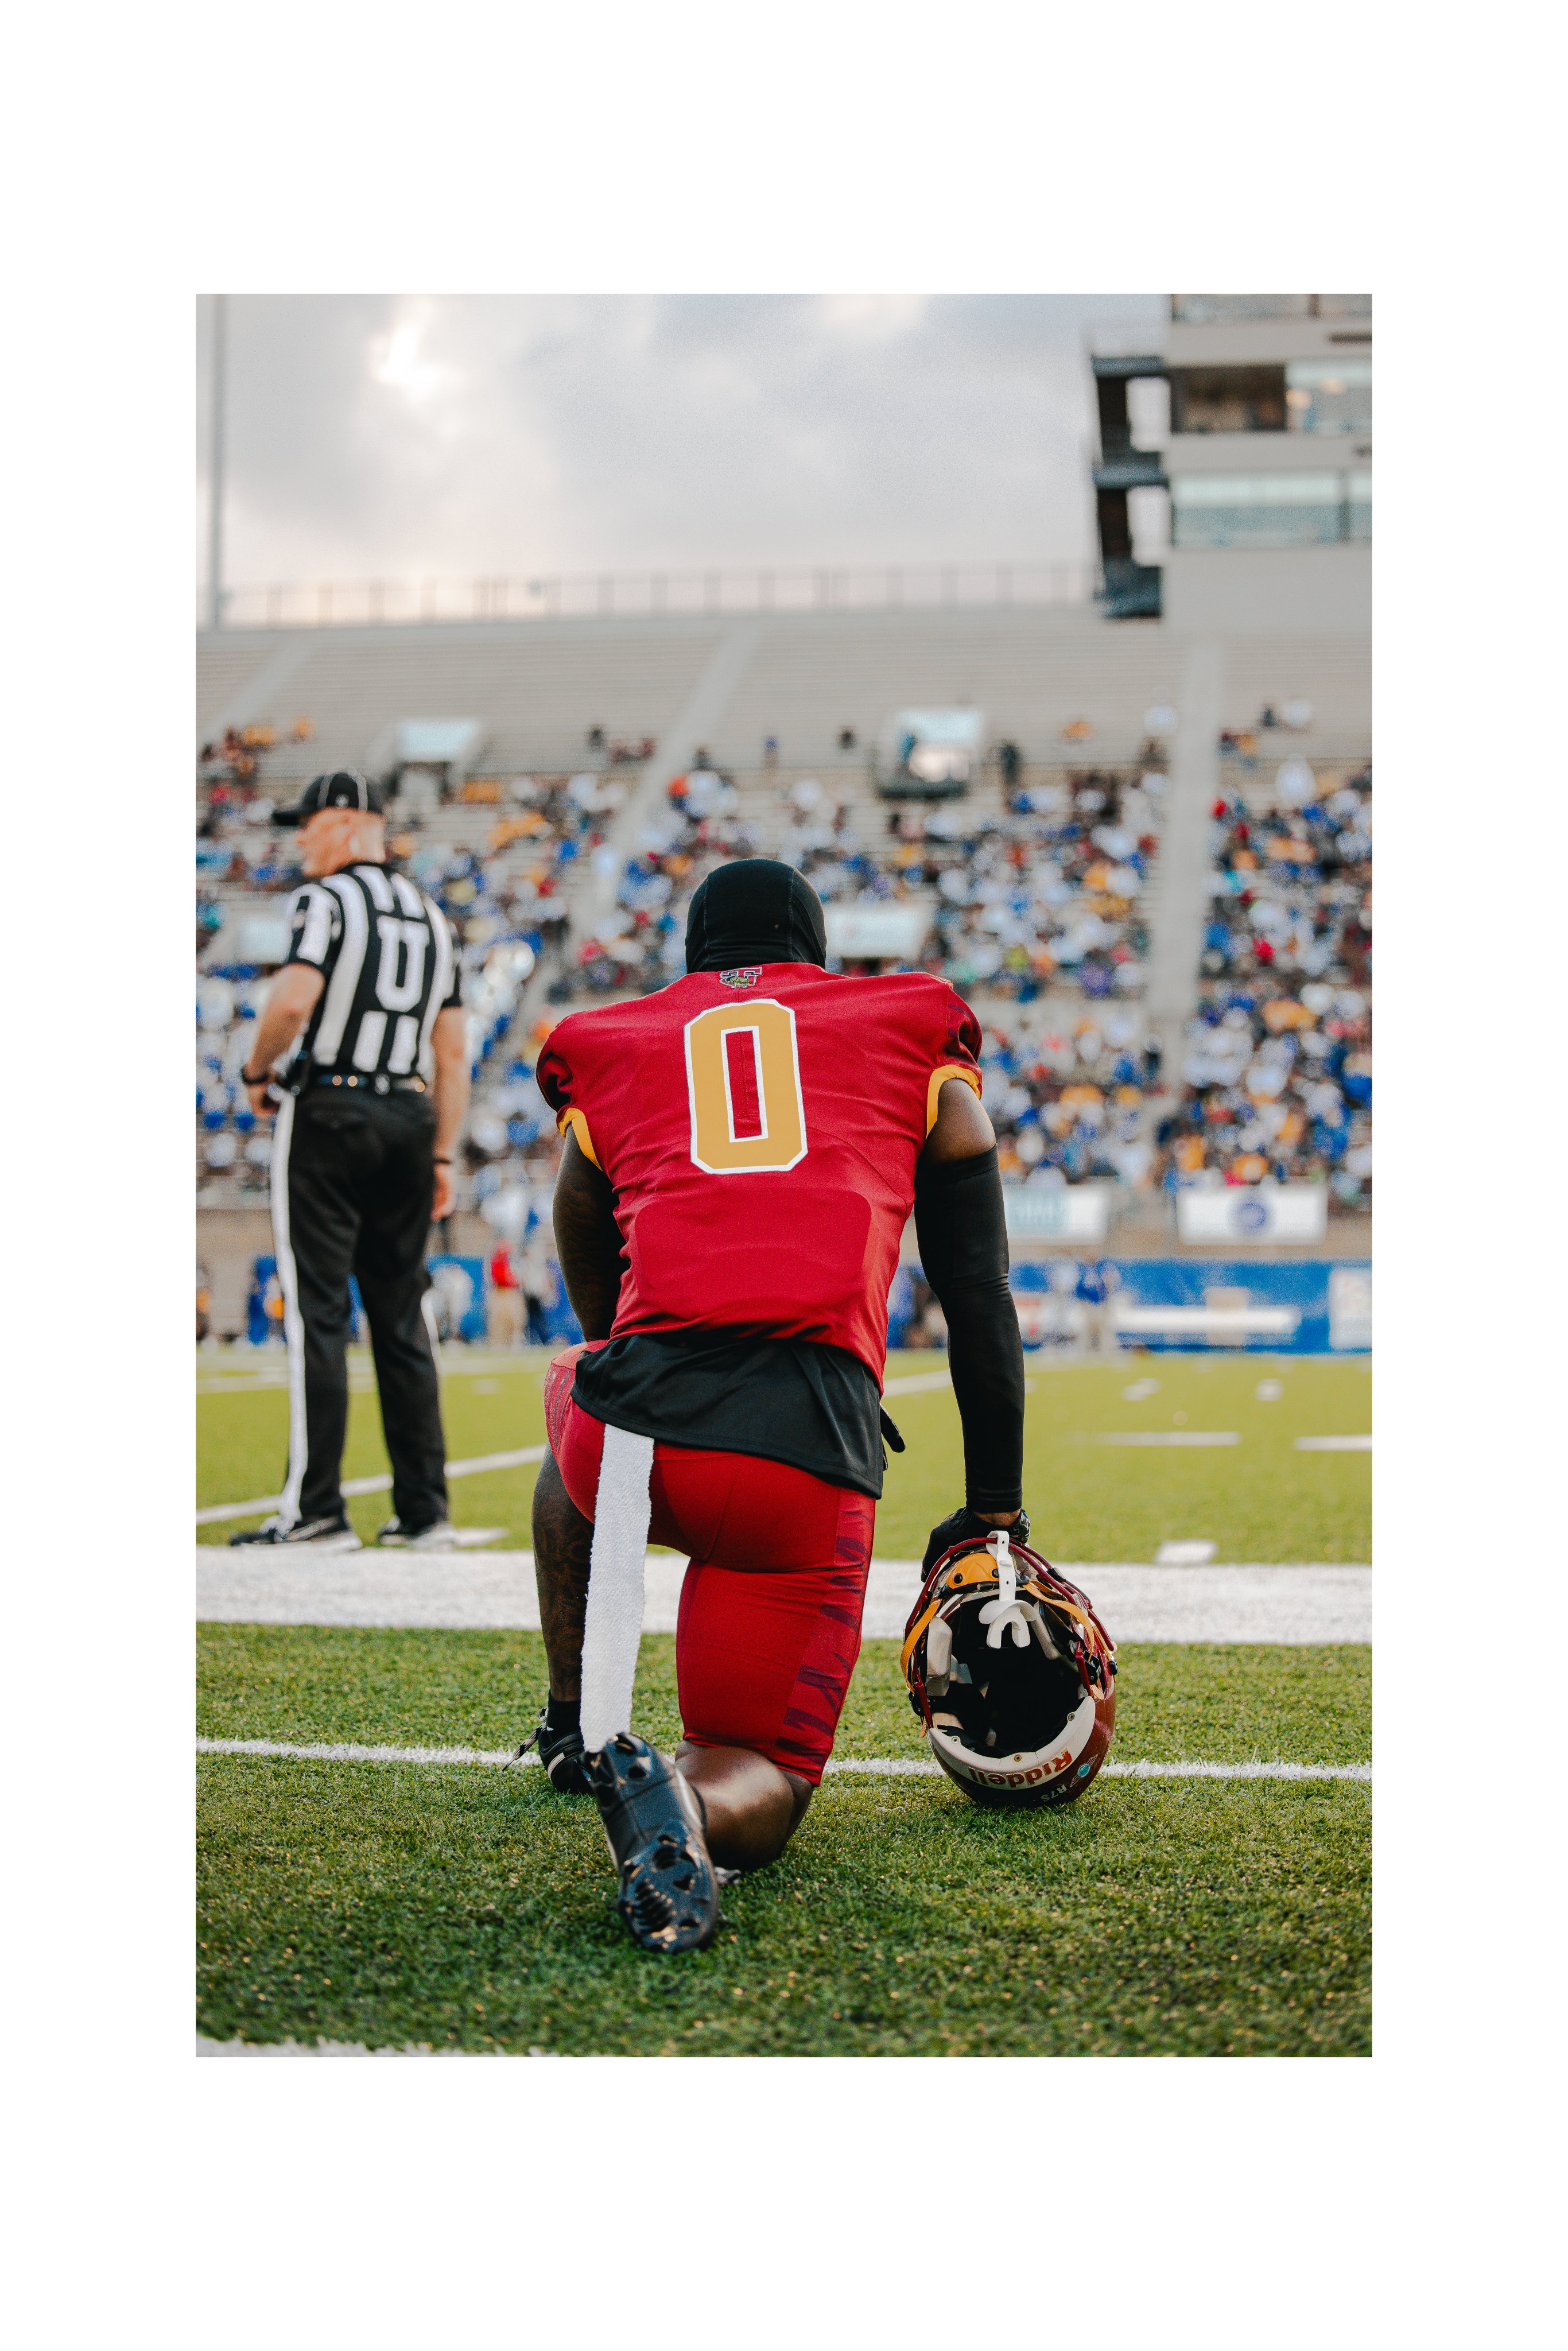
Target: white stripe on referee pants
{"points": [[292, 1320]]}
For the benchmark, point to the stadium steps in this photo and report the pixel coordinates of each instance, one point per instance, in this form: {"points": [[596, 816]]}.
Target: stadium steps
{"points": [[1032, 670], [537, 686], [222, 676]]}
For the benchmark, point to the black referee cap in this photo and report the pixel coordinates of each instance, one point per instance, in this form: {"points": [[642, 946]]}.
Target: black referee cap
{"points": [[345, 788]]}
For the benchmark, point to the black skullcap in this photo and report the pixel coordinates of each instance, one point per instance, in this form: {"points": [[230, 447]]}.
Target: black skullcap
{"points": [[756, 910]]}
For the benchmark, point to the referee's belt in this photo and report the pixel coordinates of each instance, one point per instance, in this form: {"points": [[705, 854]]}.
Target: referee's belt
{"points": [[374, 1082]]}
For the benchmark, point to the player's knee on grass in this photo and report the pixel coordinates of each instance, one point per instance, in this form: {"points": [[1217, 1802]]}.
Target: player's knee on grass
{"points": [[753, 1808]]}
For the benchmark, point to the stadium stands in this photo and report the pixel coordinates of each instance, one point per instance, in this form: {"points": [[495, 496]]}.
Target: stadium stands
{"points": [[1036, 893], [1277, 1077]]}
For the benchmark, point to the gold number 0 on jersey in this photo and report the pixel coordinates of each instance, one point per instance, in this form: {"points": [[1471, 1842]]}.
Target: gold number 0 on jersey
{"points": [[717, 1072]]}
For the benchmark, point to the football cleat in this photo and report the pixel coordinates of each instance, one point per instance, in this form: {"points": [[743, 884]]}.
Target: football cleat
{"points": [[439, 1536], [1011, 1673], [653, 1825], [561, 1753], [309, 1534]]}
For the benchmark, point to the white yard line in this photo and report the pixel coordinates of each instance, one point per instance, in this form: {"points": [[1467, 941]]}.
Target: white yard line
{"points": [[884, 1767], [1165, 1436], [381, 1485], [349, 1753], [1334, 1444], [918, 1383], [482, 1461], [290, 2048]]}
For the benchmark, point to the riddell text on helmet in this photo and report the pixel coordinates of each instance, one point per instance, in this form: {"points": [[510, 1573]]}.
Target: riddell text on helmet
{"points": [[1046, 1771]]}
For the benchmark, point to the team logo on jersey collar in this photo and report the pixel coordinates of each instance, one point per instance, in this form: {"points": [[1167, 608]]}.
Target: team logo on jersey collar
{"points": [[747, 978]]}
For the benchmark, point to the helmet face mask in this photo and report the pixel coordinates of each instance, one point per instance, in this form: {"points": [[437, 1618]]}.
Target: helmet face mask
{"points": [[1012, 1675]]}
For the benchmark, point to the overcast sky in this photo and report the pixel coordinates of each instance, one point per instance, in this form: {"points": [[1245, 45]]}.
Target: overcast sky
{"points": [[395, 436]]}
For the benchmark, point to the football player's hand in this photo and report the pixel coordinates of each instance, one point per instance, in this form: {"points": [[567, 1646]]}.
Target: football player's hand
{"points": [[972, 1526]]}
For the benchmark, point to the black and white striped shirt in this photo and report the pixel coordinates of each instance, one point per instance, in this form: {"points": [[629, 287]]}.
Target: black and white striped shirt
{"points": [[390, 967]]}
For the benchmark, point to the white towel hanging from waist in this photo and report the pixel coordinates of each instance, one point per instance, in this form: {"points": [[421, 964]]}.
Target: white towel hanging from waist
{"points": [[613, 1623]]}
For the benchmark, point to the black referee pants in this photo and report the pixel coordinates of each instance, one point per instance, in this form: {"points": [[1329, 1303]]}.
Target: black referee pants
{"points": [[353, 1176]]}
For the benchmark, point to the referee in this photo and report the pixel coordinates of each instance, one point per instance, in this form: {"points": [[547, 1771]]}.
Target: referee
{"points": [[363, 1050]]}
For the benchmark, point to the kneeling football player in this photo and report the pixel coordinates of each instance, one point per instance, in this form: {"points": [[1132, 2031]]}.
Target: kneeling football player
{"points": [[743, 1150]]}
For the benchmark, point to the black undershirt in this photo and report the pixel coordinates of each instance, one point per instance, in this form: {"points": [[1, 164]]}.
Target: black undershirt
{"points": [[815, 1406]]}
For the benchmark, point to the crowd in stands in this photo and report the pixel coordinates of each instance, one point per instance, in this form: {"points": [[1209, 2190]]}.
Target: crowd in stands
{"points": [[1046, 896], [1277, 1077], [1070, 1101], [641, 946], [1027, 902], [1035, 900], [1040, 896]]}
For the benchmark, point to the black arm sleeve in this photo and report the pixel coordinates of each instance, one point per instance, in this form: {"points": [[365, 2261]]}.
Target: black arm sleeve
{"points": [[961, 1226]]}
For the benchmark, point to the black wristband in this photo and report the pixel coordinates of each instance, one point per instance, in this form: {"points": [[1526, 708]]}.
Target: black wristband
{"points": [[247, 1080], [444, 1163]]}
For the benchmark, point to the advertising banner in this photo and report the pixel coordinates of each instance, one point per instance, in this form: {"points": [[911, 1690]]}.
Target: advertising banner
{"points": [[1057, 1212], [857, 932], [1251, 1213], [1310, 1308]]}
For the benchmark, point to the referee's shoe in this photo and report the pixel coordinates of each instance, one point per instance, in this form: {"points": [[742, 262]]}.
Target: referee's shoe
{"points": [[439, 1536], [308, 1534]]}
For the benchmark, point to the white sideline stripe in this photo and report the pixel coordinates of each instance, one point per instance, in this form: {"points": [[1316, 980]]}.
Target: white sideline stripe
{"points": [[376, 1485], [882, 1767], [494, 1590], [918, 1383], [1334, 1444]]}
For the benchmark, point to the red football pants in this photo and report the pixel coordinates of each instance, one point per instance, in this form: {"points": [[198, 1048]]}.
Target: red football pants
{"points": [[769, 1622]]}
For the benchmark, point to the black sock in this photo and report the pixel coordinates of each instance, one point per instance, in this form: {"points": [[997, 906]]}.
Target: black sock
{"points": [[563, 1714]]}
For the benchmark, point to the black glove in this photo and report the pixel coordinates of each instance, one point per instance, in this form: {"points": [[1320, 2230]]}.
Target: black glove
{"points": [[964, 1526]]}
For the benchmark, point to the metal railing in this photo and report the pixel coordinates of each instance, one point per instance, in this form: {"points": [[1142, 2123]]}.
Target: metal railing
{"points": [[1203, 309], [640, 595]]}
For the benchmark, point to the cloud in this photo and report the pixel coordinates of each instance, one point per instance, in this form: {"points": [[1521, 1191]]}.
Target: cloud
{"points": [[872, 315], [396, 436], [398, 359]]}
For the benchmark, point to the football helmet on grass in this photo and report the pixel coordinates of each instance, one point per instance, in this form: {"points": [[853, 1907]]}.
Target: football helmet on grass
{"points": [[1011, 1673]]}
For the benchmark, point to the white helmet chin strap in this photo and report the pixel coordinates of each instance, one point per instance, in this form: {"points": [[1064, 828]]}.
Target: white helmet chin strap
{"points": [[1006, 1610]]}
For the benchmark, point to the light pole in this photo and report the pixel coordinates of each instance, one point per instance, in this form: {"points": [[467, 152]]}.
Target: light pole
{"points": [[215, 460]]}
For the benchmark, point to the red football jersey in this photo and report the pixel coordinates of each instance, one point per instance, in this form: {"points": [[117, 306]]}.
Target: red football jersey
{"points": [[760, 1127]]}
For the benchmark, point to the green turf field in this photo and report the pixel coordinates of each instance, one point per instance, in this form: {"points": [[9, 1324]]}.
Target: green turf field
{"points": [[1259, 1499], [467, 1907], [470, 1907]]}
